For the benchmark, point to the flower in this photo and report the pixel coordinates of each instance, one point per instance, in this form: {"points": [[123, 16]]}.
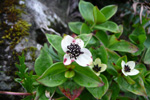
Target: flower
{"points": [[75, 51], [98, 67], [128, 68]]}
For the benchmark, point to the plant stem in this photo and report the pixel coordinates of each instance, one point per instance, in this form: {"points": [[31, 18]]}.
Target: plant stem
{"points": [[16, 93]]}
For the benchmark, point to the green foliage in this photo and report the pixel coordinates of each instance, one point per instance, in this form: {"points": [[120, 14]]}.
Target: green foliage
{"points": [[25, 79], [75, 27], [83, 78], [107, 26], [98, 92], [56, 44], [43, 62], [105, 40], [86, 38], [86, 10], [109, 11]]}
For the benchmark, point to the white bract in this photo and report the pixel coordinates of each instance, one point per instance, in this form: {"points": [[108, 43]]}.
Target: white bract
{"points": [[98, 67], [75, 51], [128, 68]]}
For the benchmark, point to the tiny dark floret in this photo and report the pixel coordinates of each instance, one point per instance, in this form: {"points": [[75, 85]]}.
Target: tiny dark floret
{"points": [[96, 68], [74, 50], [127, 68]]}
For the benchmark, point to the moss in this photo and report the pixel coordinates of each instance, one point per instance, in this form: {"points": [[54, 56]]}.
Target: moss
{"points": [[13, 27]]}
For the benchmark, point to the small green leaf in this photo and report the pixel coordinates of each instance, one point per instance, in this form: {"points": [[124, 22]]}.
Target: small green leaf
{"points": [[86, 10], [98, 92], [109, 11], [86, 38], [123, 46], [98, 16], [107, 26], [102, 36], [147, 56], [84, 76], [85, 29], [43, 62], [75, 27], [55, 41]]}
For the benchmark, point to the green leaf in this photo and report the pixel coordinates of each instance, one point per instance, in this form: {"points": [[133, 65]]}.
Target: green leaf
{"points": [[55, 41], [54, 69], [138, 36], [51, 52], [53, 80], [43, 62], [103, 54], [22, 67], [54, 75], [75, 27], [102, 36], [112, 58], [98, 16], [85, 29], [98, 92], [147, 56], [109, 11], [86, 10], [107, 26], [86, 38], [147, 42], [84, 76], [137, 88], [123, 46]]}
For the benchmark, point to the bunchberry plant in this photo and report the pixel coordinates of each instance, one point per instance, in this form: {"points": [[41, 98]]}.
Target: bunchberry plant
{"points": [[92, 64]]}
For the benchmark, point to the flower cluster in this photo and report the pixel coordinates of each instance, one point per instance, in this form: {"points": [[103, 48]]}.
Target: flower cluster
{"points": [[128, 68], [98, 67], [75, 51]]}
